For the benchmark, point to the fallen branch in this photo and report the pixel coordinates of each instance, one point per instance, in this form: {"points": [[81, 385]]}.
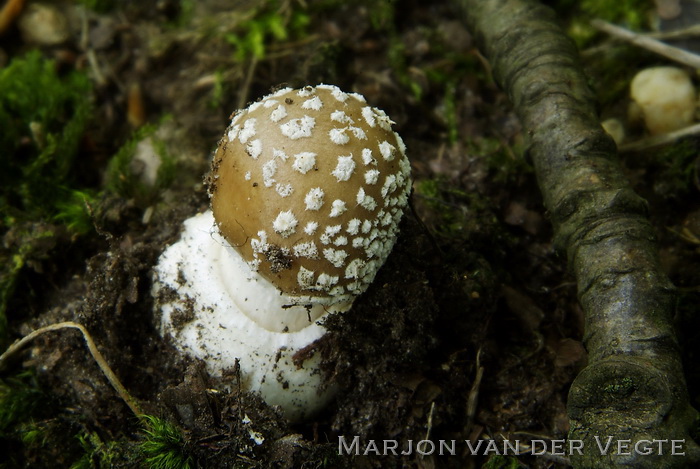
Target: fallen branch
{"points": [[633, 388], [674, 53]]}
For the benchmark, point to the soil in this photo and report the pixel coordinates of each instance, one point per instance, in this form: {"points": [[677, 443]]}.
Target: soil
{"points": [[471, 330]]}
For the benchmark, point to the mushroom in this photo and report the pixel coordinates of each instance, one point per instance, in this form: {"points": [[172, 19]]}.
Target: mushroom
{"points": [[307, 190], [664, 97]]}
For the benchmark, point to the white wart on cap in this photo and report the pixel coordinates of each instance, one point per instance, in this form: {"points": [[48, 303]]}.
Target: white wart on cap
{"points": [[309, 187]]}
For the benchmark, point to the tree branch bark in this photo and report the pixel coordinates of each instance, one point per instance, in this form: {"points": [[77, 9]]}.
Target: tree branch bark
{"points": [[633, 388]]}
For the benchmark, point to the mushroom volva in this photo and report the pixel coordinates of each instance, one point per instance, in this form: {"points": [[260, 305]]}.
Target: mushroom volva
{"points": [[307, 189]]}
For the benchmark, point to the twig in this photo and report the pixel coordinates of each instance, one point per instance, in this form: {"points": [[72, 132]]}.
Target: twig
{"points": [[245, 89], [101, 362], [646, 42], [429, 424], [689, 32], [659, 140], [473, 398], [90, 53], [9, 13]]}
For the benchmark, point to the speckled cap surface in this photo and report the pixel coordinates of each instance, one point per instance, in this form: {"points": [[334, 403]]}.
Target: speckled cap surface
{"points": [[309, 186]]}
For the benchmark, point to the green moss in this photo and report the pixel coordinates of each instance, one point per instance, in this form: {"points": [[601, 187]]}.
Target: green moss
{"points": [[268, 23], [624, 386], [73, 212], [163, 446], [23, 430], [34, 434], [461, 215], [399, 65], [43, 116], [631, 14], [449, 106], [674, 169], [123, 180], [612, 68], [31, 243], [186, 13], [28, 423], [19, 397], [610, 64], [97, 453], [506, 163], [381, 14]]}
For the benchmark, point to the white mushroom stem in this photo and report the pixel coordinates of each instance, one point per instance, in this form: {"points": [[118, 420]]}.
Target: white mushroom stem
{"points": [[205, 293]]}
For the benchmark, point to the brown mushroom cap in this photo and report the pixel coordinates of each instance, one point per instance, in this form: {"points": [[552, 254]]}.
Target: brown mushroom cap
{"points": [[309, 186]]}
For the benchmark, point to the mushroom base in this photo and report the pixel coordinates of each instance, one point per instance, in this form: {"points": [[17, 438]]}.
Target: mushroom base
{"points": [[215, 308]]}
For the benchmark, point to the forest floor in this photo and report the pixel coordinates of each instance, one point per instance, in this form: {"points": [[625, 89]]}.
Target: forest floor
{"points": [[472, 329]]}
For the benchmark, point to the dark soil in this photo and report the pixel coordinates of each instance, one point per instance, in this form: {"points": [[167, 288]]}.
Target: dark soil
{"points": [[471, 330]]}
